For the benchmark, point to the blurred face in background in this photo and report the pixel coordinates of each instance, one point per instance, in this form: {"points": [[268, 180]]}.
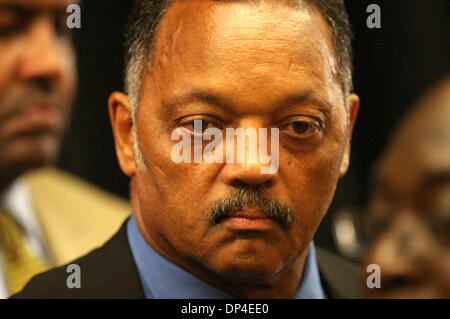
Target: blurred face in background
{"points": [[412, 201], [37, 83]]}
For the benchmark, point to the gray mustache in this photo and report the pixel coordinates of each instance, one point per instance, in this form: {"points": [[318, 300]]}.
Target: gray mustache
{"points": [[251, 198]]}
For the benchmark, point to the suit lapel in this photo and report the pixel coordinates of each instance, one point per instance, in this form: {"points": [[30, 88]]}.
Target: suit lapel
{"points": [[112, 270], [74, 216], [340, 278]]}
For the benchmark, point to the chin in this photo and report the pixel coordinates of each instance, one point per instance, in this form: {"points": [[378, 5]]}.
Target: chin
{"points": [[248, 270], [27, 157], [24, 165], [250, 260], [34, 161], [251, 277]]}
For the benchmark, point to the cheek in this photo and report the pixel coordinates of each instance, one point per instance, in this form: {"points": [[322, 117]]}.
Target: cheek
{"points": [[176, 192], [314, 171], [176, 207], [69, 72], [9, 54], [310, 181]]}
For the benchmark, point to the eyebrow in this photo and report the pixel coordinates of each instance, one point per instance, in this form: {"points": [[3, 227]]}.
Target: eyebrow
{"points": [[198, 96], [431, 180], [306, 96], [220, 100]]}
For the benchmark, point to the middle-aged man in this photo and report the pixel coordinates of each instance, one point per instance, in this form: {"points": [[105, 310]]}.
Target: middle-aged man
{"points": [[47, 217], [223, 229], [410, 203]]}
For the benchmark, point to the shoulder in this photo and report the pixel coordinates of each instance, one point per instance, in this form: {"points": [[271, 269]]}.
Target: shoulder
{"points": [[74, 215], [64, 186], [341, 277], [106, 272]]}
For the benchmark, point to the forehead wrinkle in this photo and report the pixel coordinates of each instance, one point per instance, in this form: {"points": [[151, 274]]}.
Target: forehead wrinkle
{"points": [[219, 28], [173, 28], [305, 56], [298, 20], [300, 53]]}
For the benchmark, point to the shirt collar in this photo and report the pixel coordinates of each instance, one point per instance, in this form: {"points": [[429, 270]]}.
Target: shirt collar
{"points": [[18, 203], [161, 279]]}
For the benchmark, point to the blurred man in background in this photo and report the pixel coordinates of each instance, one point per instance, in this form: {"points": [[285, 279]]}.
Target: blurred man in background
{"points": [[410, 201], [47, 217], [221, 230]]}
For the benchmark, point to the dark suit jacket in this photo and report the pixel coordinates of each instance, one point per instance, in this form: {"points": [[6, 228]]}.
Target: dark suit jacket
{"points": [[110, 272]]}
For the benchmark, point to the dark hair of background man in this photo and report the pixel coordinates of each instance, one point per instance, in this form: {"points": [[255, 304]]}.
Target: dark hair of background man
{"points": [[393, 65]]}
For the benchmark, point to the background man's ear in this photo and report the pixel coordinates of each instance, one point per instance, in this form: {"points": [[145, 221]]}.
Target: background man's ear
{"points": [[353, 112], [120, 114]]}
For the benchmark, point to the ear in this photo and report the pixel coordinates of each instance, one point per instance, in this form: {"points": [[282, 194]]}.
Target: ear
{"points": [[353, 112], [122, 126]]}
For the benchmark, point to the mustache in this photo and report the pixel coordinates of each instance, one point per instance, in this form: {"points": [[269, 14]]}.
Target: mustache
{"points": [[40, 91], [252, 198]]}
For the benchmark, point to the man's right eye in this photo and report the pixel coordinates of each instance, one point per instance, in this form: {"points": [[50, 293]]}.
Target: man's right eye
{"points": [[11, 22], [61, 26], [198, 126]]}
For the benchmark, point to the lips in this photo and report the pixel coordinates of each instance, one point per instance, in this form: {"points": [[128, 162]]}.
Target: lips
{"points": [[250, 220], [251, 214], [33, 121], [44, 114]]}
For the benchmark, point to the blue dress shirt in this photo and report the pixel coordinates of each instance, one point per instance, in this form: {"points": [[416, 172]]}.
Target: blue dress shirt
{"points": [[162, 279]]}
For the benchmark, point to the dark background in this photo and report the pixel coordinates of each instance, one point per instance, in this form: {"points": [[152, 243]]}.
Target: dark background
{"points": [[393, 66]]}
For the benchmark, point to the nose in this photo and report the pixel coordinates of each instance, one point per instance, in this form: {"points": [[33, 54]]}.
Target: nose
{"points": [[246, 174], [42, 55], [243, 171]]}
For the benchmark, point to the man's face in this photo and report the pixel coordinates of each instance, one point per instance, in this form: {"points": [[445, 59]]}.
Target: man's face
{"points": [[37, 82], [240, 65], [412, 202]]}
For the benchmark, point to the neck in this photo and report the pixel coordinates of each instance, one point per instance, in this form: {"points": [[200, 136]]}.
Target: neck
{"points": [[8, 174], [283, 284], [5, 182]]}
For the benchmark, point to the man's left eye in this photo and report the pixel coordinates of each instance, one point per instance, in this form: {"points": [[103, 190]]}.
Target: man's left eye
{"points": [[303, 127], [11, 22], [60, 25]]}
